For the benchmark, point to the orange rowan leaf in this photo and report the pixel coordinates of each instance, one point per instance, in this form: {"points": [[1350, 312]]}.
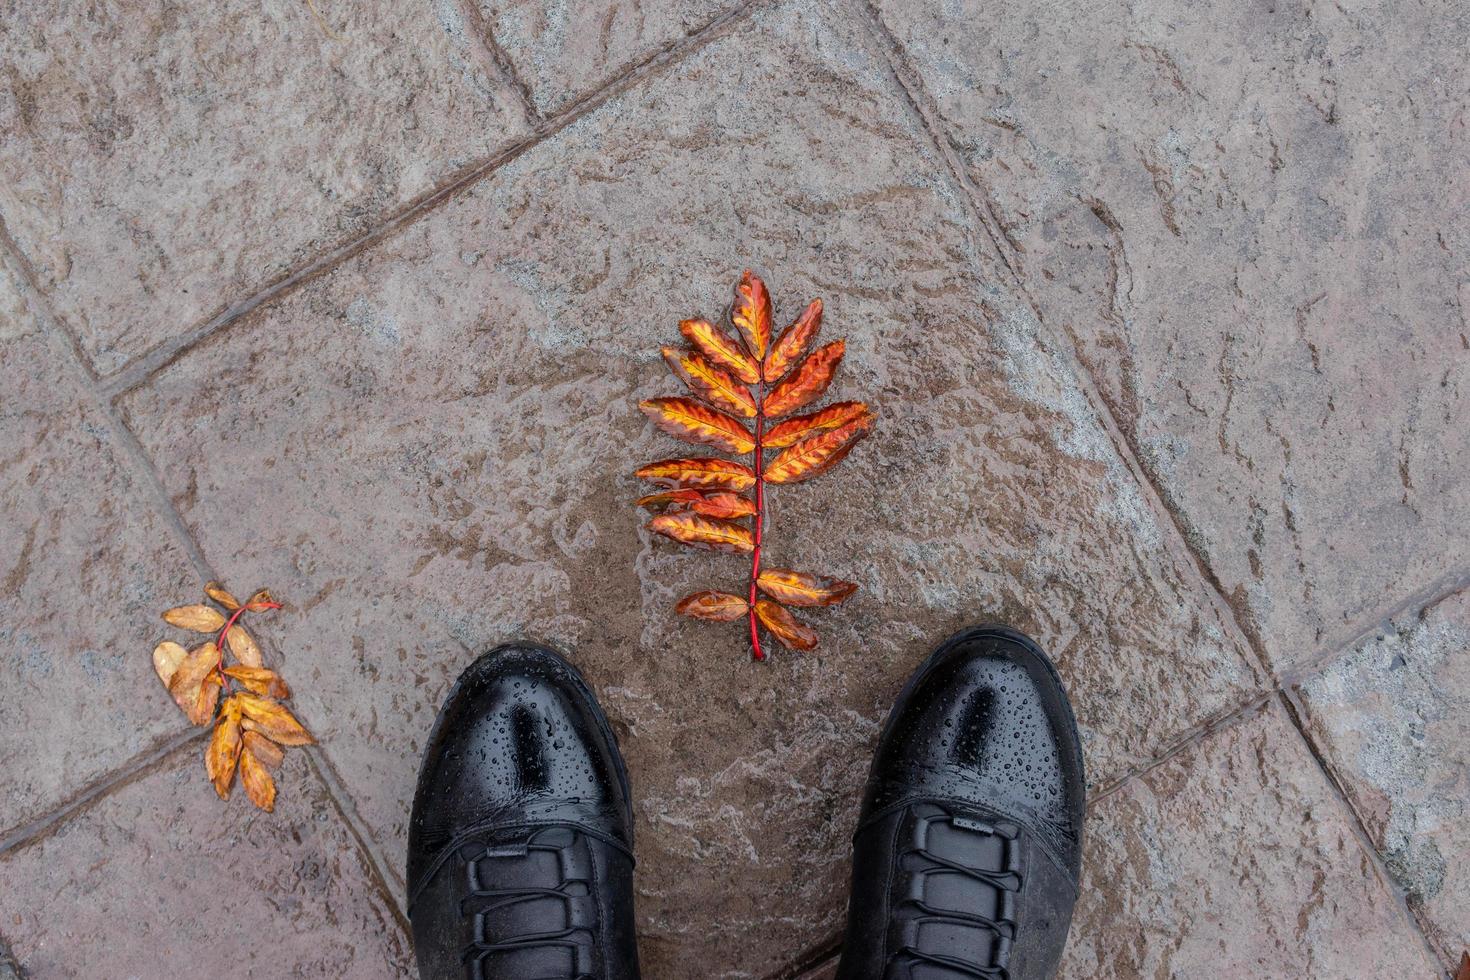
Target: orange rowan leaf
{"points": [[816, 454], [223, 753], [793, 342], [243, 646], [723, 504], [801, 589], [721, 607], [710, 503], [273, 720], [752, 314], [709, 533], [167, 657], [792, 632], [195, 684], [712, 384], [269, 753], [687, 419], [792, 430], [256, 779], [722, 349], [807, 382], [261, 680], [199, 618], [699, 472], [221, 595]]}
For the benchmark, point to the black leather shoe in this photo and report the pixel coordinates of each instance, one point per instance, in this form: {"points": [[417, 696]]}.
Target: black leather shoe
{"points": [[520, 850], [969, 844]]}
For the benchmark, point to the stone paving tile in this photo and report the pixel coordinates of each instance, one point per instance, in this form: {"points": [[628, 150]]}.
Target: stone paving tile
{"points": [[161, 878], [431, 445], [1392, 718], [86, 566], [162, 160], [1236, 859], [1243, 216], [565, 50]]}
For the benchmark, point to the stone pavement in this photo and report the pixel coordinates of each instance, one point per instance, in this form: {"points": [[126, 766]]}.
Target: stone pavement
{"points": [[1162, 308]]}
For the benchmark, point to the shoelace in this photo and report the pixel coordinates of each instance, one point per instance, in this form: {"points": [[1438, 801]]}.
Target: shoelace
{"points": [[487, 902], [1006, 880]]}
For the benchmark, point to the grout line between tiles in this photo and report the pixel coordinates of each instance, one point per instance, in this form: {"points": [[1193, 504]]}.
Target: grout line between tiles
{"points": [[129, 772]]}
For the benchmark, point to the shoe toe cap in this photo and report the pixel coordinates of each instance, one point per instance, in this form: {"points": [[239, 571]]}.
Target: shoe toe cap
{"points": [[987, 721], [519, 739]]}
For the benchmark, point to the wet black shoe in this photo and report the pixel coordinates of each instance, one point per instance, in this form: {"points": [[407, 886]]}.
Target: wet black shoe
{"points": [[969, 844], [520, 849]]}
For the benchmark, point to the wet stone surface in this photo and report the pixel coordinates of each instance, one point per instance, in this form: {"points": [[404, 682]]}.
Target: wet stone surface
{"points": [[86, 566], [162, 879], [427, 451], [1234, 859], [1393, 719], [163, 160], [565, 50], [1242, 218]]}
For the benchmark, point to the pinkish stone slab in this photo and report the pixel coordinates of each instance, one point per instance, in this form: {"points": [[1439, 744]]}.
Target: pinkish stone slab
{"points": [[163, 161], [1243, 217], [431, 446], [1392, 718], [86, 565], [565, 50], [1235, 859], [161, 878]]}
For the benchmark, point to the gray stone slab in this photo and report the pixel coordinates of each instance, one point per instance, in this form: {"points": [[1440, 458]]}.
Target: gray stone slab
{"points": [[1392, 718], [86, 566], [164, 161], [1245, 218], [1236, 859], [162, 878], [562, 51], [427, 451]]}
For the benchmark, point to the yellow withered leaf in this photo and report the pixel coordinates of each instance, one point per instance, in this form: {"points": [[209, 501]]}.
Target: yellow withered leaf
{"points": [[167, 657], [687, 419], [256, 779], [260, 680], [269, 753], [672, 499], [195, 684], [223, 753], [199, 618], [807, 382], [797, 427], [273, 720], [713, 384], [699, 472], [800, 589], [817, 454], [790, 631], [721, 607], [243, 646], [793, 342], [752, 314], [722, 349], [710, 533], [261, 600], [221, 595]]}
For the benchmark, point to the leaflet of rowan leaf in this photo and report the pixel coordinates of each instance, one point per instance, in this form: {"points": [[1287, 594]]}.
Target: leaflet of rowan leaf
{"points": [[687, 419], [706, 500], [710, 383], [241, 700]]}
